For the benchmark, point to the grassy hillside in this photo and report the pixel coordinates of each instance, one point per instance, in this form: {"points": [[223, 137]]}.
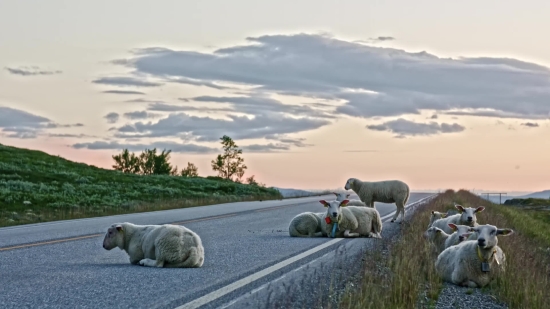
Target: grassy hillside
{"points": [[404, 274], [58, 189]]}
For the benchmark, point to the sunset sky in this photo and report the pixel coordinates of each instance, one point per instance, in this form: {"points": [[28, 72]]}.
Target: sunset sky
{"points": [[437, 94]]}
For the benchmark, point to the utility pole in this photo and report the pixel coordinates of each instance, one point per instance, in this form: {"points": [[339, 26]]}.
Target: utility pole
{"points": [[499, 196]]}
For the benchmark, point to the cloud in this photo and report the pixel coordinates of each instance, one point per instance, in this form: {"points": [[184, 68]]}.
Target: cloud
{"points": [[530, 124], [21, 124], [189, 81], [160, 145], [403, 127], [255, 148], [31, 70], [368, 81], [111, 117], [140, 115], [123, 92], [163, 107], [211, 129], [125, 81]]}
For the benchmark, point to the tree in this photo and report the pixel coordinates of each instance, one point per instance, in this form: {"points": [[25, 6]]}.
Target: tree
{"points": [[230, 163], [190, 171], [251, 181], [153, 164], [126, 162]]}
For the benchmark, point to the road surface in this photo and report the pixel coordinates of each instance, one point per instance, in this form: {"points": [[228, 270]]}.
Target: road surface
{"points": [[63, 265]]}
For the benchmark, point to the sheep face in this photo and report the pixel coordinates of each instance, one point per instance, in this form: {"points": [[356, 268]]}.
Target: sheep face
{"points": [[462, 230], [341, 196], [334, 209], [114, 237], [349, 183], [487, 235], [432, 233], [468, 215]]}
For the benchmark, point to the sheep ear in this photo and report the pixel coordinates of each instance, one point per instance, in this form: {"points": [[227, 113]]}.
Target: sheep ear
{"points": [[480, 209], [505, 232], [438, 231], [460, 208], [119, 228], [344, 203], [324, 202], [453, 226], [433, 212], [444, 215], [347, 195]]}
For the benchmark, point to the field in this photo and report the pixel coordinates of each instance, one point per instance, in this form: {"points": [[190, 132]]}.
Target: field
{"points": [[404, 272], [38, 187]]}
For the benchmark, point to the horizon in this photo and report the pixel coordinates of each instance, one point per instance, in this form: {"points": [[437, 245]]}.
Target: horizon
{"points": [[328, 93]]}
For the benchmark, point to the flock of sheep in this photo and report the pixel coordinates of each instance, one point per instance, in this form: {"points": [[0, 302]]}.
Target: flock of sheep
{"points": [[468, 252]]}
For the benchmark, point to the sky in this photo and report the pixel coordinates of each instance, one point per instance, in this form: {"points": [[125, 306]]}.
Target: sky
{"points": [[437, 94]]}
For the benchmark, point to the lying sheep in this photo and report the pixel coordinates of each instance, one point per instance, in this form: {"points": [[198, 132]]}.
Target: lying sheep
{"points": [[442, 240], [474, 263], [344, 196], [436, 215], [165, 245], [466, 216], [460, 234], [352, 221], [388, 191], [307, 224]]}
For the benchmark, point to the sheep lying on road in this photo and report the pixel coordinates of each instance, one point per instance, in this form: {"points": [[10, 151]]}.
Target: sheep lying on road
{"points": [[436, 215], [388, 191], [165, 245], [352, 221], [344, 196], [474, 263], [467, 216], [307, 224]]}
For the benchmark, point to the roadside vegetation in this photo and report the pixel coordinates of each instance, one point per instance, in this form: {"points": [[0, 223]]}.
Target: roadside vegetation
{"points": [[38, 187], [402, 273]]}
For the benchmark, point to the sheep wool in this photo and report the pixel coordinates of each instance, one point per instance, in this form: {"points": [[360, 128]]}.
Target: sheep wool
{"points": [[466, 216], [306, 224], [387, 191], [167, 245], [353, 221], [344, 196], [474, 263], [437, 237]]}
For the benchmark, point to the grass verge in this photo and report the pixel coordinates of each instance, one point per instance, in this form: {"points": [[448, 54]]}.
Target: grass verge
{"points": [[402, 274]]}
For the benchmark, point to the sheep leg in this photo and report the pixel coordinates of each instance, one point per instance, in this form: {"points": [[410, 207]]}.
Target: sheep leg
{"points": [[348, 234], [400, 210], [151, 263]]}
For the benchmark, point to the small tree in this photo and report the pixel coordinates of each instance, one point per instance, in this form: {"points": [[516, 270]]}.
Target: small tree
{"points": [[230, 163], [126, 162], [153, 164], [190, 171], [251, 181]]}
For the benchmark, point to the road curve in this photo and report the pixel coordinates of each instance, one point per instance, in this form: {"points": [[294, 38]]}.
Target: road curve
{"points": [[63, 265]]}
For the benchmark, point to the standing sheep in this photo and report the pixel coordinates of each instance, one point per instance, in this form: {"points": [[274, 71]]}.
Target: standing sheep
{"points": [[352, 221], [344, 196], [306, 224], [466, 216], [388, 191], [165, 245], [474, 263]]}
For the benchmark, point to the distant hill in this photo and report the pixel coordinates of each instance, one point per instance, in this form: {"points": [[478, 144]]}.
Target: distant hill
{"points": [[541, 194]]}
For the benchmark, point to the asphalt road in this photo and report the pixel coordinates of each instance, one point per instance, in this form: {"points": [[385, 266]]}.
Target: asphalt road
{"points": [[248, 255]]}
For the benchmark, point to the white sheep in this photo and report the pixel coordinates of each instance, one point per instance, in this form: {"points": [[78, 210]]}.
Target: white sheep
{"points": [[442, 240], [164, 245], [307, 224], [474, 263], [344, 196], [436, 215], [466, 216], [387, 191], [352, 221]]}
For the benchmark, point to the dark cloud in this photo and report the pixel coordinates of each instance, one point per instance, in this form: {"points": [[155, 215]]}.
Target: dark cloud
{"points": [[111, 117], [21, 124], [189, 81], [530, 124], [140, 115], [163, 107], [403, 127], [31, 70], [371, 81], [160, 145], [265, 148], [125, 81], [123, 92]]}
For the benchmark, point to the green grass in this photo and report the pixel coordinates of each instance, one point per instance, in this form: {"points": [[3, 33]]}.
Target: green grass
{"points": [[61, 189], [404, 273]]}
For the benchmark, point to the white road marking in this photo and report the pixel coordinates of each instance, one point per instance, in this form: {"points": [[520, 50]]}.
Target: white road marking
{"points": [[251, 278]]}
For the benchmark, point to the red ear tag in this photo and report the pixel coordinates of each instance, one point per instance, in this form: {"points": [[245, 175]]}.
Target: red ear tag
{"points": [[327, 220]]}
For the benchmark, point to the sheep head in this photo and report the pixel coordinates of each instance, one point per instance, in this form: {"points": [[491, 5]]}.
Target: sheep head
{"points": [[114, 237], [468, 214], [341, 196], [334, 210], [349, 183], [487, 235]]}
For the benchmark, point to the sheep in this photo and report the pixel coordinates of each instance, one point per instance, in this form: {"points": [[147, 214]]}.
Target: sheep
{"points": [[343, 196], [306, 224], [442, 240], [351, 221], [474, 263], [388, 191], [164, 245], [466, 216], [435, 216]]}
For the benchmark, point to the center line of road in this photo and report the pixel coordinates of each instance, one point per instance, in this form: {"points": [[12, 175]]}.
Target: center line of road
{"points": [[246, 280]]}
